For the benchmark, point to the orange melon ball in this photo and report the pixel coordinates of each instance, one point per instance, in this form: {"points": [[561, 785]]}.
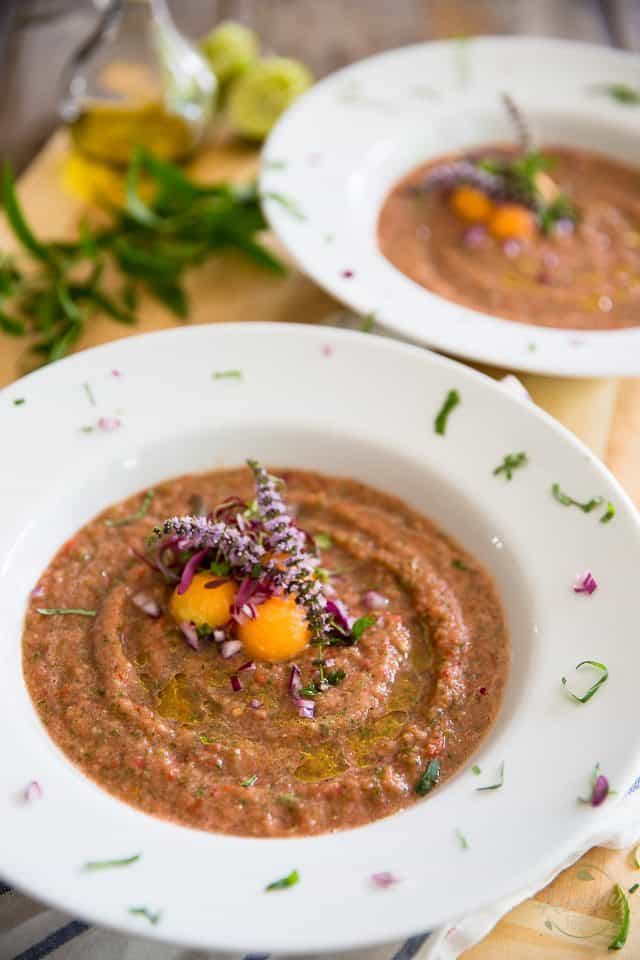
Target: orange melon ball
{"points": [[279, 631], [471, 204], [512, 221], [202, 605]]}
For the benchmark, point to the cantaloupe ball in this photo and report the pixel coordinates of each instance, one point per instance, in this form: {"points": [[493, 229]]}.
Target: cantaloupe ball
{"points": [[471, 204], [279, 631], [202, 605], [512, 221]]}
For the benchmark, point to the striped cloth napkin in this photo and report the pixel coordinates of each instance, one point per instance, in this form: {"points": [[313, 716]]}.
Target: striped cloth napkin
{"points": [[29, 931]]}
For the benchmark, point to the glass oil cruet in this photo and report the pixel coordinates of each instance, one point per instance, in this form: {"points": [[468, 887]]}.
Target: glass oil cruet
{"points": [[137, 81]]}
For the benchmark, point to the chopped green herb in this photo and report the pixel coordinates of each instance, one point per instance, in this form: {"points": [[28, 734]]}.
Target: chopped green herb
{"points": [[620, 902], [145, 912], [532, 346], [19, 401], [428, 778], [623, 93], [636, 856], [220, 567], [205, 739], [568, 501], [495, 786], [451, 401], [89, 392], [634, 887], [249, 782], [464, 843], [328, 678], [609, 514], [284, 882], [287, 203], [362, 624], [475, 769], [138, 515], [594, 687], [323, 541], [510, 463], [458, 564], [560, 208], [227, 375], [368, 321], [63, 611], [91, 865]]}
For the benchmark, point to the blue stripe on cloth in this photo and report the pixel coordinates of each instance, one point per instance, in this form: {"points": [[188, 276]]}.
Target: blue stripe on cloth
{"points": [[256, 956], [56, 939], [4, 888], [410, 947]]}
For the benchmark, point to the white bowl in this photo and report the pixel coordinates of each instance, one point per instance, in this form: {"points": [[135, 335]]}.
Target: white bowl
{"points": [[336, 154], [364, 407]]}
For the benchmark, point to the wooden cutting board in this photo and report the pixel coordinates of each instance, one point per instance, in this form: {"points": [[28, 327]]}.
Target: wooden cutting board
{"points": [[568, 920]]}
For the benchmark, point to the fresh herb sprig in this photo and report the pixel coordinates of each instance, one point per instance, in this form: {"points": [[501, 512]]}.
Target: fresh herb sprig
{"points": [[152, 243], [451, 401], [587, 506], [595, 686], [510, 463], [283, 883], [429, 778]]}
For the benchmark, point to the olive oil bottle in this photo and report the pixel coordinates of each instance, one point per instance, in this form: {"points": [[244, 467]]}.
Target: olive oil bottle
{"points": [[137, 81]]}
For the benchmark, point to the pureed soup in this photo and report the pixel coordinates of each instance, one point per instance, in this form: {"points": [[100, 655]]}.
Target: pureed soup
{"points": [[549, 237], [276, 659]]}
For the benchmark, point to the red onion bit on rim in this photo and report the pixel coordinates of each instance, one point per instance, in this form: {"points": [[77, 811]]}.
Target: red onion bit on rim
{"points": [[236, 686], [189, 571], [600, 791], [384, 879], [230, 647], [32, 791], [190, 633], [585, 583], [108, 424], [375, 601], [147, 604]]}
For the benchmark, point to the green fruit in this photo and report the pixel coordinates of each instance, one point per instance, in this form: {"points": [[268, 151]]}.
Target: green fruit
{"points": [[230, 49], [263, 93]]}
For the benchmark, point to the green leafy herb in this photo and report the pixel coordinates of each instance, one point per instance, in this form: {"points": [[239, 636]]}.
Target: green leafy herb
{"points": [[510, 463], [284, 882], [475, 769], [205, 739], [458, 564], [623, 93], [429, 778], [227, 375], [495, 786], [19, 401], [368, 321], [62, 611], [219, 567], [633, 888], [328, 678], [323, 541], [145, 912], [287, 203], [609, 513], [249, 782], [568, 501], [451, 401], [604, 675], [89, 392], [92, 865], [362, 624], [560, 208], [140, 514], [151, 244], [620, 902], [464, 843]]}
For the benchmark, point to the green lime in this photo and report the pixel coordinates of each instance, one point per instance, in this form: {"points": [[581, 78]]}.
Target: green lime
{"points": [[263, 93], [230, 49]]}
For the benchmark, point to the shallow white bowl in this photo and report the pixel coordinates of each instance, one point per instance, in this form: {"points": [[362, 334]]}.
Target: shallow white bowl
{"points": [[336, 154], [362, 406]]}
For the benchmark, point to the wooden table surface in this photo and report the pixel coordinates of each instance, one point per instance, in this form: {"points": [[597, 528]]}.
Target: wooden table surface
{"points": [[561, 922]]}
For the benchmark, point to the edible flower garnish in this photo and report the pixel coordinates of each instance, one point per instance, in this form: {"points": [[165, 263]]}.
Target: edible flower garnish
{"points": [[510, 463], [92, 865], [384, 879], [604, 676], [451, 401], [495, 786], [284, 882], [599, 788], [585, 583], [429, 778], [619, 900]]}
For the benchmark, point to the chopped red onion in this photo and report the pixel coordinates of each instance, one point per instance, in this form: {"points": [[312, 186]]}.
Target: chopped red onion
{"points": [[512, 248], [327, 350], [340, 616], [108, 424], [230, 647], [235, 683], [346, 274], [33, 791], [189, 571], [295, 680], [146, 603], [564, 226], [306, 708], [190, 633], [384, 879], [219, 636], [249, 665], [600, 791], [255, 704], [38, 592], [585, 583], [375, 601], [115, 373], [475, 236]]}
